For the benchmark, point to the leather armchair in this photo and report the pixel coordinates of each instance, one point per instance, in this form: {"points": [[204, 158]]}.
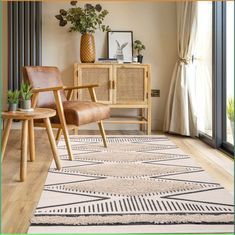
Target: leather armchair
{"points": [[49, 92]]}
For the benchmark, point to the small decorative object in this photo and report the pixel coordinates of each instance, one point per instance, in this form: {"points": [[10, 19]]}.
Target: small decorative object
{"points": [[135, 59], [119, 52], [86, 21], [120, 45], [230, 112], [26, 94], [13, 100], [138, 46]]}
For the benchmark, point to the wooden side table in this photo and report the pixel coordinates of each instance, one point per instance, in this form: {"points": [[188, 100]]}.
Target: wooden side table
{"points": [[27, 134]]}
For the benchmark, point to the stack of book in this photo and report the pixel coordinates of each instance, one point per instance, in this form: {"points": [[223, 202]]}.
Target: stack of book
{"points": [[107, 60]]}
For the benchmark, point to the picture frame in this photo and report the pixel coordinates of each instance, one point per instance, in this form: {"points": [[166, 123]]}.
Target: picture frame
{"points": [[120, 45]]}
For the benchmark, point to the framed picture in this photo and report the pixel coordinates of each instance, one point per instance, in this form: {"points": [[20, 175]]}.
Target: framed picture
{"points": [[120, 45]]}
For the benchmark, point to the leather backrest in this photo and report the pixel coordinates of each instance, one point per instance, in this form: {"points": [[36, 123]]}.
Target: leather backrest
{"points": [[44, 77]]}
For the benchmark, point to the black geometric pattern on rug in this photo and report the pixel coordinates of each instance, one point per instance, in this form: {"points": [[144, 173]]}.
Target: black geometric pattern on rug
{"points": [[183, 187]]}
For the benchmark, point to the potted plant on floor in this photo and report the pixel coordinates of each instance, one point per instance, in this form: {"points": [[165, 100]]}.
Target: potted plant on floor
{"points": [[26, 94], [86, 21], [230, 112], [13, 100], [139, 46]]}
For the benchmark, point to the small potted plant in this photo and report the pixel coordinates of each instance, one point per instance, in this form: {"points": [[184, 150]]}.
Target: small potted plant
{"points": [[26, 94], [139, 46], [230, 112], [13, 100]]}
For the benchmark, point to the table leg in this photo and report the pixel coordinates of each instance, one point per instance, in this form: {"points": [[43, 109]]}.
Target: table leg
{"points": [[31, 141], [24, 139], [5, 136], [52, 142]]}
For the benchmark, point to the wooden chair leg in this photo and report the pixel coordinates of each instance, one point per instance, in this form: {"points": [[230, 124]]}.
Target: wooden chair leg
{"points": [[102, 132], [101, 126], [52, 142], [31, 141], [24, 140], [5, 136], [58, 135], [63, 123], [75, 131], [67, 141]]}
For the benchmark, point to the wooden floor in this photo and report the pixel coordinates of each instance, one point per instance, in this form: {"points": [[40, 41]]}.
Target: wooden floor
{"points": [[20, 199]]}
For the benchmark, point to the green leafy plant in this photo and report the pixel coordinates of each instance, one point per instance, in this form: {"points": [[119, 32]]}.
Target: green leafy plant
{"points": [[25, 91], [13, 97], [230, 109], [84, 20], [139, 46]]}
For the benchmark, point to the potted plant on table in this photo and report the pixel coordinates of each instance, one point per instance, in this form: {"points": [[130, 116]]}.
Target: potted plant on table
{"points": [[13, 100], [139, 46], [230, 113], [86, 21], [26, 94]]}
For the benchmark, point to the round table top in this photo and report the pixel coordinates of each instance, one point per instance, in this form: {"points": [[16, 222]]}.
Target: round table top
{"points": [[37, 113]]}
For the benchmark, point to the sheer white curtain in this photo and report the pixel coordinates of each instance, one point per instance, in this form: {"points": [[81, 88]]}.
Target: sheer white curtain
{"points": [[203, 66], [180, 114]]}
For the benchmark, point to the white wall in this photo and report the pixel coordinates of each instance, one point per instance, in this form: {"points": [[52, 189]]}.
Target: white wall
{"points": [[154, 23]]}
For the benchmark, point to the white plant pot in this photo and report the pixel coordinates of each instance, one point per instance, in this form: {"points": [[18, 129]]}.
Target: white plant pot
{"points": [[12, 107], [26, 104]]}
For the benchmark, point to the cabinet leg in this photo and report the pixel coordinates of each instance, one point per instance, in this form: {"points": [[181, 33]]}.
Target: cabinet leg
{"points": [[31, 141], [24, 139], [5, 136], [149, 128], [52, 142], [142, 114]]}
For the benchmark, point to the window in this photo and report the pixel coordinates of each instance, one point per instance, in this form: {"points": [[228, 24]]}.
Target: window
{"points": [[215, 78], [229, 134]]}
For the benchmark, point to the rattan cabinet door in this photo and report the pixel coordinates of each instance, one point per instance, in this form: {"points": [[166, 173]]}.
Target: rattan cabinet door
{"points": [[130, 84], [95, 74]]}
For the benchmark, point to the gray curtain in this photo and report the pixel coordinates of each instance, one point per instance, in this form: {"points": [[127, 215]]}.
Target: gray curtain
{"points": [[24, 38], [180, 116]]}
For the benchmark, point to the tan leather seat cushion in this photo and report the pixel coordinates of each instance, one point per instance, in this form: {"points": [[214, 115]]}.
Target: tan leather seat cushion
{"points": [[82, 112]]}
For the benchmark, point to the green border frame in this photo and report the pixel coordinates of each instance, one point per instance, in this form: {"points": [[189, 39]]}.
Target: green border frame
{"points": [[0, 113]]}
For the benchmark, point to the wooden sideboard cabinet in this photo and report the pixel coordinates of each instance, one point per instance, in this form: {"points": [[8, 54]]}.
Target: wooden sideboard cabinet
{"points": [[122, 86]]}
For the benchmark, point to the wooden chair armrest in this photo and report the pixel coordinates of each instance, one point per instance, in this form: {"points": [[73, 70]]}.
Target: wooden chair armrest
{"points": [[80, 87], [37, 90]]}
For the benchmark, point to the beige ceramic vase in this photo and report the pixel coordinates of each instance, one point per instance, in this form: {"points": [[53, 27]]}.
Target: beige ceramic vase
{"points": [[87, 48]]}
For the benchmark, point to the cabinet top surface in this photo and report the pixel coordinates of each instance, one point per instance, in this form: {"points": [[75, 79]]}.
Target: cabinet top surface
{"points": [[117, 64]]}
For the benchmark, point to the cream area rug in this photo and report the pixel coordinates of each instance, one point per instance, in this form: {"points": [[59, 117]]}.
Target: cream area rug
{"points": [[139, 184]]}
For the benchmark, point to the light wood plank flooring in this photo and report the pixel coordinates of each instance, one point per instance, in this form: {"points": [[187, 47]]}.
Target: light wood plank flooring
{"points": [[20, 199]]}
